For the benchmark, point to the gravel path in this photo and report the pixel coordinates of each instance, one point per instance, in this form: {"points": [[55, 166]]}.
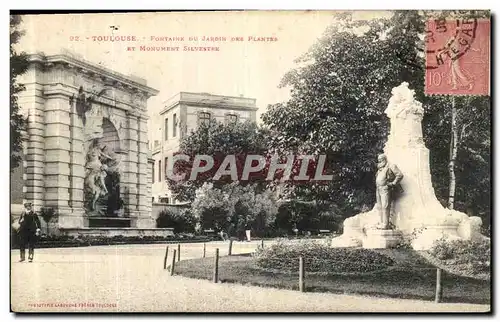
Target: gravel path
{"points": [[131, 278]]}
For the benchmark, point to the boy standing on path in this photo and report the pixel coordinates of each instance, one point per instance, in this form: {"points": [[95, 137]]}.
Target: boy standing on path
{"points": [[28, 231]]}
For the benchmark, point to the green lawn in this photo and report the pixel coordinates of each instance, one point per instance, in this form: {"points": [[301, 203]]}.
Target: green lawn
{"points": [[412, 277]]}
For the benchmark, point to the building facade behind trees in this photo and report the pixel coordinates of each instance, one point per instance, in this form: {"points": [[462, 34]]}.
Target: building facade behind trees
{"points": [[182, 114]]}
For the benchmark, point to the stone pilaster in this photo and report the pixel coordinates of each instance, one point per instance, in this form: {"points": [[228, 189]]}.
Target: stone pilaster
{"points": [[74, 216], [32, 105], [142, 168], [77, 167], [151, 164], [129, 176], [57, 151], [143, 178]]}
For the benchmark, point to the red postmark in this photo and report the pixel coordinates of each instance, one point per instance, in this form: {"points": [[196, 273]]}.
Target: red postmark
{"points": [[457, 57]]}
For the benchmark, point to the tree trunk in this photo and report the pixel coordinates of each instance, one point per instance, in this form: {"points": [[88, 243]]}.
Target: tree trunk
{"points": [[453, 154]]}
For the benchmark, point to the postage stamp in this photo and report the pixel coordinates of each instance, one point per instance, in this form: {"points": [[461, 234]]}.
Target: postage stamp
{"points": [[457, 57]]}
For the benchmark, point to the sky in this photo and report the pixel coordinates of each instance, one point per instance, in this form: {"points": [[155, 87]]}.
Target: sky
{"points": [[249, 68]]}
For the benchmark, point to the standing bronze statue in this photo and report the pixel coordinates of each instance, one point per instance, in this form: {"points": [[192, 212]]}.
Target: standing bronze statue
{"points": [[387, 182]]}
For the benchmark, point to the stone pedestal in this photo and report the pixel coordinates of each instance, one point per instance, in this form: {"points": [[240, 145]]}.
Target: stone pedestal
{"points": [[145, 222], [416, 213], [381, 238], [70, 219]]}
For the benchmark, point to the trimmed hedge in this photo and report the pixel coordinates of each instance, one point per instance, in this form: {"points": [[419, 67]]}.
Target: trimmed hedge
{"points": [[284, 256]]}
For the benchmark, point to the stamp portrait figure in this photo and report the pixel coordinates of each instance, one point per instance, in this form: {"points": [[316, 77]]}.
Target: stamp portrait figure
{"points": [[387, 181]]}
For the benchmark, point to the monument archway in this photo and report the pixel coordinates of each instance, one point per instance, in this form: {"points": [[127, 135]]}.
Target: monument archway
{"points": [[77, 111], [104, 203]]}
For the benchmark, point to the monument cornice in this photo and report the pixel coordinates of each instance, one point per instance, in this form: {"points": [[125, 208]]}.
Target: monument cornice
{"points": [[68, 91], [104, 73]]}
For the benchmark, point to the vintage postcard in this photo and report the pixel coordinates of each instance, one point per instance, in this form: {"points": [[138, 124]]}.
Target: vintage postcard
{"points": [[251, 161]]}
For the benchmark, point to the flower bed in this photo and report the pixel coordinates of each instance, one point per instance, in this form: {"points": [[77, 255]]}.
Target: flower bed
{"points": [[318, 257]]}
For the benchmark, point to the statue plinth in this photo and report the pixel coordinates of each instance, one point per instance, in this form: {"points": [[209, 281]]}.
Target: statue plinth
{"points": [[382, 238], [416, 213]]}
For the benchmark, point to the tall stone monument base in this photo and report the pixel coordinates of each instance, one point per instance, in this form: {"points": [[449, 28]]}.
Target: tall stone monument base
{"points": [[416, 213]]}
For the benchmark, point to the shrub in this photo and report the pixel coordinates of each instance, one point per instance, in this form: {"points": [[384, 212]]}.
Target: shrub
{"points": [[307, 216], [475, 256], [407, 240], [320, 258], [182, 221]]}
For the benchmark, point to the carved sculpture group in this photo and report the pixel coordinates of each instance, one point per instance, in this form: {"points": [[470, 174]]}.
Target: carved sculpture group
{"points": [[96, 172]]}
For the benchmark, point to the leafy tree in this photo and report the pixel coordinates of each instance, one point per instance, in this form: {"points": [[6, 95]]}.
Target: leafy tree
{"points": [[465, 151], [339, 92], [18, 66], [233, 208], [336, 108]]}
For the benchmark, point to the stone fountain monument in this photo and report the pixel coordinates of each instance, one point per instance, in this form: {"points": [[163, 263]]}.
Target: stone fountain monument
{"points": [[416, 212], [86, 149]]}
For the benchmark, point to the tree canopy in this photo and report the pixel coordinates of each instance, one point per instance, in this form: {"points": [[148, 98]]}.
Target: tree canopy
{"points": [[339, 92], [18, 66]]}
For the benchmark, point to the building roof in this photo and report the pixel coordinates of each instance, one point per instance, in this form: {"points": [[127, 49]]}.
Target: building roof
{"points": [[210, 100]]}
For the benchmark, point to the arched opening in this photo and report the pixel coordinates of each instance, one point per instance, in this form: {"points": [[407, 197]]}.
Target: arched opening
{"points": [[104, 199]]}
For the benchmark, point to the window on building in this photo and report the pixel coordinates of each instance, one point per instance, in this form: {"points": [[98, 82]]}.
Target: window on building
{"points": [[153, 174], [159, 170], [174, 132], [165, 168], [203, 118], [164, 200], [231, 118], [166, 129]]}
